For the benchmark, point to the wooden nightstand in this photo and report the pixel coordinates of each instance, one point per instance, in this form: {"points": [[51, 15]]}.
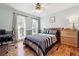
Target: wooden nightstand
{"points": [[70, 37]]}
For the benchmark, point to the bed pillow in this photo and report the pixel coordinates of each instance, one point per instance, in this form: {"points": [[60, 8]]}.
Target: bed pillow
{"points": [[53, 32], [46, 31]]}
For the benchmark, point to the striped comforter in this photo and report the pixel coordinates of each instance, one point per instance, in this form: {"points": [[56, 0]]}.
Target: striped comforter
{"points": [[43, 40]]}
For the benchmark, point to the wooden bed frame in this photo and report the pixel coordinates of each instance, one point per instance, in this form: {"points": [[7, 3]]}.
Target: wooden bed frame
{"points": [[40, 52]]}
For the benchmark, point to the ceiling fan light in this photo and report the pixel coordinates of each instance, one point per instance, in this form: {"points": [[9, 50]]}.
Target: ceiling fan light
{"points": [[38, 11]]}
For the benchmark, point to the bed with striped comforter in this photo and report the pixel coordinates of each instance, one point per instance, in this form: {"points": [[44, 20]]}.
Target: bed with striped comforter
{"points": [[42, 40]]}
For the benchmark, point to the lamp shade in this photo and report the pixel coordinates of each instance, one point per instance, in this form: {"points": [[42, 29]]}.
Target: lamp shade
{"points": [[74, 19]]}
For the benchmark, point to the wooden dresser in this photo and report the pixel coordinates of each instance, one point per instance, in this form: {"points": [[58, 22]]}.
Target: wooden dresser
{"points": [[70, 37]]}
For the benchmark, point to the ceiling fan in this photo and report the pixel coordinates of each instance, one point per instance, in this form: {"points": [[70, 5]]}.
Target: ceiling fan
{"points": [[38, 7]]}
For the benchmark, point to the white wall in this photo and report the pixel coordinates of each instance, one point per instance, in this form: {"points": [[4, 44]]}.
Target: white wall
{"points": [[6, 17], [61, 18]]}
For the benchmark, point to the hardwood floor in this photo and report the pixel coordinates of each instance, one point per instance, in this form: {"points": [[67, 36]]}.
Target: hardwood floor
{"points": [[57, 50], [63, 50], [19, 51]]}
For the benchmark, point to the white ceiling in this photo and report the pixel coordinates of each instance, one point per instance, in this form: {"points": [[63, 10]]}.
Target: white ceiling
{"points": [[49, 8]]}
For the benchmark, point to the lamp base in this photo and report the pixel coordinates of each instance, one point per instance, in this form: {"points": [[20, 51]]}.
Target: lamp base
{"points": [[74, 27]]}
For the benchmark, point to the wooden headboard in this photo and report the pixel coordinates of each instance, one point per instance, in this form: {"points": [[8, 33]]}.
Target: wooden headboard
{"points": [[58, 31]]}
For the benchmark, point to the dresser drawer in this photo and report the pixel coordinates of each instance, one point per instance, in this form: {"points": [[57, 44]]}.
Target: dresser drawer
{"points": [[68, 34], [68, 40], [71, 44]]}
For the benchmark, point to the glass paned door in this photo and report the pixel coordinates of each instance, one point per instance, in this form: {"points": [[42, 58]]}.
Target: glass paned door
{"points": [[21, 27], [34, 26]]}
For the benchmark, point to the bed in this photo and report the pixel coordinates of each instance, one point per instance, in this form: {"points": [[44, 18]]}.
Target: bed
{"points": [[41, 43]]}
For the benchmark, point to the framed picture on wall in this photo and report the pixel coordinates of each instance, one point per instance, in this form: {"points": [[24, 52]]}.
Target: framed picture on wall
{"points": [[52, 19]]}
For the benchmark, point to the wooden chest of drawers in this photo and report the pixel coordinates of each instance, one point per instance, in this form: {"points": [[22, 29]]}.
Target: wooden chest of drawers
{"points": [[69, 37]]}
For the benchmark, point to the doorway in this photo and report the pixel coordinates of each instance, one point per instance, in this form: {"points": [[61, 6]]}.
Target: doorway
{"points": [[21, 27]]}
